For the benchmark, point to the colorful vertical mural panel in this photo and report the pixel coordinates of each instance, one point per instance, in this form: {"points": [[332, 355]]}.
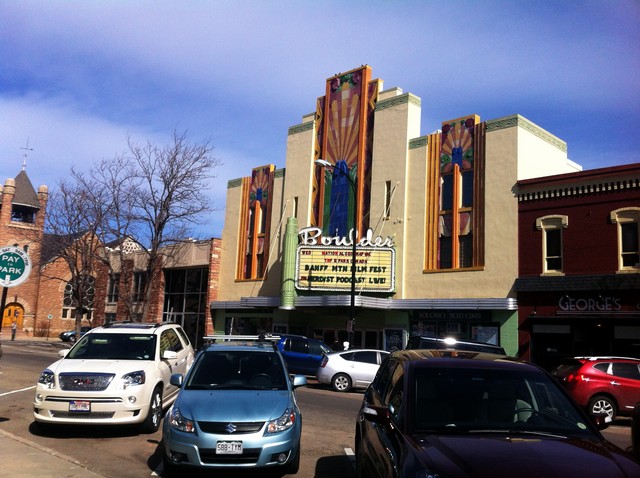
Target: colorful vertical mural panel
{"points": [[344, 128], [457, 144]]}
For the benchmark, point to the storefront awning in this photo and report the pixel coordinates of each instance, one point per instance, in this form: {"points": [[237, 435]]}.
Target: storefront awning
{"points": [[372, 303]]}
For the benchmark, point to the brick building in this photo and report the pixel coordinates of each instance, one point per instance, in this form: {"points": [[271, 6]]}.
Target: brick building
{"points": [[22, 214], [44, 305], [579, 264]]}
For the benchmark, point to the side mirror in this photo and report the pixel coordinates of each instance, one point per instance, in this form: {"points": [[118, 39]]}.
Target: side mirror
{"points": [[377, 414], [169, 355], [63, 353], [176, 379], [299, 381]]}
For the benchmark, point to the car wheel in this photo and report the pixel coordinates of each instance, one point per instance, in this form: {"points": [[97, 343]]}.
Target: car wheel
{"points": [[601, 404], [341, 382], [152, 422], [293, 467], [72, 339]]}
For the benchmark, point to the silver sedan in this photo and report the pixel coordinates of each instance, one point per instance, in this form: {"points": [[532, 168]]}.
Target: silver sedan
{"points": [[350, 368]]}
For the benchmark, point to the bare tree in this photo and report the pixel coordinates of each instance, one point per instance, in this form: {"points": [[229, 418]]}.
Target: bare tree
{"points": [[163, 198], [151, 196], [71, 237]]}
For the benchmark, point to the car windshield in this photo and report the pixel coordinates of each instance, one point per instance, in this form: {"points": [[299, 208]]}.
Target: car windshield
{"points": [[456, 400], [237, 370], [114, 347]]}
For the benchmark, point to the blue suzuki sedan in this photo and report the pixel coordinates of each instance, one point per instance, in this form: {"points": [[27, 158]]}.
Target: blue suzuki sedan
{"points": [[236, 409]]}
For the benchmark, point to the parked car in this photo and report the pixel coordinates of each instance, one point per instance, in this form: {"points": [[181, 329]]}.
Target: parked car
{"points": [[434, 413], [608, 385], [236, 409], [115, 374], [301, 354], [350, 369], [70, 335], [433, 343]]}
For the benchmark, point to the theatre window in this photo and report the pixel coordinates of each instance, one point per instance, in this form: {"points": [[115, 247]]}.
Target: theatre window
{"points": [[551, 227], [254, 223], [458, 237], [628, 224]]}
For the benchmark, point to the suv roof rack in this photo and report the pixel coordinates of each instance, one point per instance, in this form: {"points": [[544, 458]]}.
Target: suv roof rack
{"points": [[132, 324], [261, 337], [605, 357], [127, 324]]}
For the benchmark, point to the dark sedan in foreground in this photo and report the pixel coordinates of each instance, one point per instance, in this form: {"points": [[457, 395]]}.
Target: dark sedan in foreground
{"points": [[454, 414]]}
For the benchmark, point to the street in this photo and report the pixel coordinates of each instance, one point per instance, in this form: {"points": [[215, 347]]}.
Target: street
{"points": [[122, 452]]}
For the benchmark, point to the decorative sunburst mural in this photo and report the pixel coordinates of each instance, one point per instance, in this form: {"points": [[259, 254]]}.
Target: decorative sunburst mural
{"points": [[457, 144], [260, 183]]}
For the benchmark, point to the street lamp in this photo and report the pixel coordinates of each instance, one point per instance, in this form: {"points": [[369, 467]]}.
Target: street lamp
{"points": [[327, 164]]}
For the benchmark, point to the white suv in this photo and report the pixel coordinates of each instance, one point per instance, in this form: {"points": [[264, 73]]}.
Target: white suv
{"points": [[115, 374]]}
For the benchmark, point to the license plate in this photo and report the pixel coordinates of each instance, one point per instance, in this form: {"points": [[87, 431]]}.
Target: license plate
{"points": [[80, 406], [229, 448]]}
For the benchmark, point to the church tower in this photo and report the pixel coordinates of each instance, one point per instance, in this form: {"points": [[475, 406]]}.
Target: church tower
{"points": [[22, 215]]}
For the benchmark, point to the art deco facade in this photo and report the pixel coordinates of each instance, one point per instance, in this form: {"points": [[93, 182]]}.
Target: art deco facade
{"points": [[436, 218]]}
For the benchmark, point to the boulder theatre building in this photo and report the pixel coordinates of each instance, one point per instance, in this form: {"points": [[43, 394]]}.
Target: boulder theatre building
{"points": [[436, 217]]}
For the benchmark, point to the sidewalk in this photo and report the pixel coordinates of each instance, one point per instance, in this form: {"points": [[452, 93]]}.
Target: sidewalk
{"points": [[34, 459]]}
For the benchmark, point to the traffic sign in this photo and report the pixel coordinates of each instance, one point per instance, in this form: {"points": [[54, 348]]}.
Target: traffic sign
{"points": [[15, 266]]}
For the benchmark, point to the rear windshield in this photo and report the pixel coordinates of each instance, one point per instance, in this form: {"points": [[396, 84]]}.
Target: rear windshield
{"points": [[114, 347], [237, 370], [567, 367]]}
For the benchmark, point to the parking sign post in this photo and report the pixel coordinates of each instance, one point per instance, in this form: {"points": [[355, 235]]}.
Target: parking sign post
{"points": [[15, 267]]}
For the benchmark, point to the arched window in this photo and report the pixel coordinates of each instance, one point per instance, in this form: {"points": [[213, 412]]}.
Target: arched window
{"points": [[71, 300]]}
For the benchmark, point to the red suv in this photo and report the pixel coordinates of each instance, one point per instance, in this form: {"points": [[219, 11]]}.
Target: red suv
{"points": [[602, 384]]}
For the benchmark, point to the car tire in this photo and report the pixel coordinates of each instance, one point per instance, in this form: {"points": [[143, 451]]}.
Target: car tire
{"points": [[602, 403], [151, 424], [72, 339], [341, 382], [293, 467]]}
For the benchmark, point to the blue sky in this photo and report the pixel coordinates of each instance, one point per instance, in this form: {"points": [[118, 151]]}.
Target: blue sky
{"points": [[79, 77]]}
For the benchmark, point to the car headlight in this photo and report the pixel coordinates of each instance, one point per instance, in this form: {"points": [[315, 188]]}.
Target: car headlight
{"points": [[133, 378], [47, 378], [282, 423], [180, 422]]}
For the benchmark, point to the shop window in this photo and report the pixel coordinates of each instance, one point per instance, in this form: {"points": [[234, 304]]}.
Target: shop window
{"points": [[628, 224], [552, 242]]}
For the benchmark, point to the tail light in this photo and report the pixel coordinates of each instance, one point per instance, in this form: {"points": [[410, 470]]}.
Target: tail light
{"points": [[324, 361], [575, 377]]}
